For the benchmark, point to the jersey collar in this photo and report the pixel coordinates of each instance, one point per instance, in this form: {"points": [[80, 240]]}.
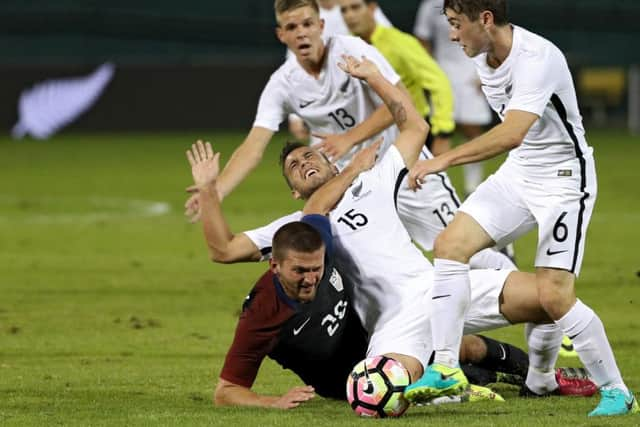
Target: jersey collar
{"points": [[283, 295]]}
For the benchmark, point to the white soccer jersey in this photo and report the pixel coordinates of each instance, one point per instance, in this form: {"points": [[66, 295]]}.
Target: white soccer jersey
{"points": [[373, 249], [535, 77], [331, 104]]}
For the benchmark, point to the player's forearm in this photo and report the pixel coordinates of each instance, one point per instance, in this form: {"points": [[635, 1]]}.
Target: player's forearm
{"points": [[327, 196], [377, 122], [398, 103], [216, 231], [235, 395], [243, 160], [496, 141]]}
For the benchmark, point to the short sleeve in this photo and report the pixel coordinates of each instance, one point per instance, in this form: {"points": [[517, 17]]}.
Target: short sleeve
{"points": [[272, 107], [263, 236], [534, 81]]}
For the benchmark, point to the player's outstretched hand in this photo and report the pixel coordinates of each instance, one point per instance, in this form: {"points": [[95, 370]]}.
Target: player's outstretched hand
{"points": [[366, 158], [423, 168], [334, 146], [359, 68], [205, 164], [295, 397]]}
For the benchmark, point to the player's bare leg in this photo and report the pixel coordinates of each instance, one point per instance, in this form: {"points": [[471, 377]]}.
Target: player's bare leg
{"points": [[451, 294], [556, 290]]}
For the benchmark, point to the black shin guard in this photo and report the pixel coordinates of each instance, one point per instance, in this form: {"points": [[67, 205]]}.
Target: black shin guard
{"points": [[503, 357]]}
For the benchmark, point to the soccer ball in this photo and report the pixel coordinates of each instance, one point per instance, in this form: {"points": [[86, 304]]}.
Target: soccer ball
{"points": [[375, 387]]}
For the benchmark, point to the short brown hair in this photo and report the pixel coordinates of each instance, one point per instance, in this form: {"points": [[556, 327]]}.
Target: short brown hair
{"points": [[473, 8], [297, 236], [281, 6]]}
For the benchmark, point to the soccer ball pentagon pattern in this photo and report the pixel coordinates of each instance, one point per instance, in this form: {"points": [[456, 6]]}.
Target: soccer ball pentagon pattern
{"points": [[375, 387]]}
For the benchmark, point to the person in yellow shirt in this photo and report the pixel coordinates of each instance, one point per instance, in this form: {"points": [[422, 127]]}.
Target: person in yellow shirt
{"points": [[425, 81]]}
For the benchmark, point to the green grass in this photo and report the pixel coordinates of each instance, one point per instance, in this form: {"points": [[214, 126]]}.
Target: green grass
{"points": [[111, 313]]}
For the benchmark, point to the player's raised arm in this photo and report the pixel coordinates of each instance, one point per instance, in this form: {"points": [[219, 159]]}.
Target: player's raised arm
{"points": [[413, 128], [243, 160], [224, 246], [335, 146]]}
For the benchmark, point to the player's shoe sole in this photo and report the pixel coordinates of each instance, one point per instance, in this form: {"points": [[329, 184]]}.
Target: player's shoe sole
{"points": [[615, 402], [473, 393], [571, 382], [437, 381]]}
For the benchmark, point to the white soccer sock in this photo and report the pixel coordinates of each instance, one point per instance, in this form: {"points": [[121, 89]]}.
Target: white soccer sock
{"points": [[589, 338], [490, 258], [544, 343], [473, 176], [450, 301]]}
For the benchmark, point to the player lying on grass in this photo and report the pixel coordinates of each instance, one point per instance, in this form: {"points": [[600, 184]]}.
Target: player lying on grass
{"points": [[301, 315], [391, 276], [310, 85]]}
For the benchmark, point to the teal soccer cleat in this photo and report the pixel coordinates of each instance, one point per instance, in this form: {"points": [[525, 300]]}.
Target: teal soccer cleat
{"points": [[437, 381], [615, 402]]}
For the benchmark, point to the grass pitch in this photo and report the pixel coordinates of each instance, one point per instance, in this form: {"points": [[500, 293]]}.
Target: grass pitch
{"points": [[111, 313]]}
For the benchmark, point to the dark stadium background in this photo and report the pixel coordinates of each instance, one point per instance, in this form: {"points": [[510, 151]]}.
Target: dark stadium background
{"points": [[202, 64]]}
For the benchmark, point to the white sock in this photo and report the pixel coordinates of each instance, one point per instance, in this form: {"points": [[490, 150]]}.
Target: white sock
{"points": [[589, 338], [473, 176], [490, 258], [450, 301], [544, 343]]}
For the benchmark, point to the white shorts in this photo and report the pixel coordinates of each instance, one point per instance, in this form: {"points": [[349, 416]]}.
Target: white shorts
{"points": [[559, 199], [426, 212], [409, 331]]}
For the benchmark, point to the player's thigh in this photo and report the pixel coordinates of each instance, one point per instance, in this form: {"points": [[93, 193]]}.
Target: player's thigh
{"points": [[562, 206], [497, 206], [407, 333], [484, 311]]}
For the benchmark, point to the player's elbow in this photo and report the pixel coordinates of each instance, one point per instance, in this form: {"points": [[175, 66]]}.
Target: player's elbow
{"points": [[221, 257], [513, 141]]}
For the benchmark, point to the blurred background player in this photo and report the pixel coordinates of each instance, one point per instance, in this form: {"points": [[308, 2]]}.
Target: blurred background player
{"points": [[418, 71], [333, 25], [471, 110]]}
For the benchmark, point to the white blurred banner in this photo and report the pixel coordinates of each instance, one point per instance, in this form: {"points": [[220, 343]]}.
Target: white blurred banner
{"points": [[53, 104]]}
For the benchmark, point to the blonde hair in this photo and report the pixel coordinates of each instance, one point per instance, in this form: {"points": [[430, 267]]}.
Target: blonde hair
{"points": [[281, 6]]}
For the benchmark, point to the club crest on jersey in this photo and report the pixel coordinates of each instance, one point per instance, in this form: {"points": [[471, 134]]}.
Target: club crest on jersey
{"points": [[336, 280]]}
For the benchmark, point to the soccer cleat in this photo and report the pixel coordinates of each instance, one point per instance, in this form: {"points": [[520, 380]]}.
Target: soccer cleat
{"points": [[437, 381], [566, 348], [476, 393], [571, 382], [574, 382], [614, 401]]}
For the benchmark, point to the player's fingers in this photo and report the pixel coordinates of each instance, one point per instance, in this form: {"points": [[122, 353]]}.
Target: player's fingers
{"points": [[216, 158], [195, 153], [209, 150], [192, 160], [192, 189], [202, 151]]}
